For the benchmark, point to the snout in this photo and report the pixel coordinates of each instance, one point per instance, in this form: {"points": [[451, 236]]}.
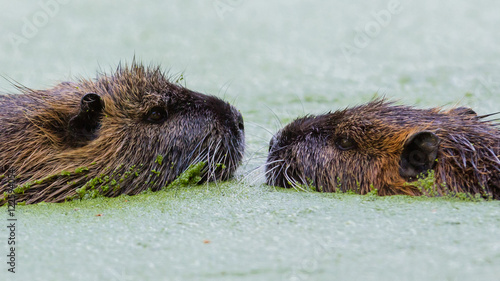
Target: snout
{"points": [[238, 120], [241, 123]]}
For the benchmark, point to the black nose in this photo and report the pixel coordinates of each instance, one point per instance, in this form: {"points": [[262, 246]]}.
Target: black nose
{"points": [[241, 124]]}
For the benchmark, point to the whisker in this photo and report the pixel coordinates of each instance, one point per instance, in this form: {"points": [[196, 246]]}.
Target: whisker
{"points": [[263, 166], [254, 157], [488, 115], [275, 115], [260, 126]]}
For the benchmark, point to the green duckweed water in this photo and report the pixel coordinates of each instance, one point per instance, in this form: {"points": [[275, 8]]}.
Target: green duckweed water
{"points": [[274, 61], [260, 234]]}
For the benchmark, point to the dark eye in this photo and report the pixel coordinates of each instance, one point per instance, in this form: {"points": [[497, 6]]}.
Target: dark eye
{"points": [[156, 115], [346, 143]]}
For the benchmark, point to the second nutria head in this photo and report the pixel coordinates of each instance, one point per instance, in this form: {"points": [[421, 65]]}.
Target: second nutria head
{"points": [[386, 147], [130, 131]]}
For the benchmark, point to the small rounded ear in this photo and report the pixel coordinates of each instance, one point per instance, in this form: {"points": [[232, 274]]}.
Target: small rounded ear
{"points": [[91, 103], [419, 155], [84, 125]]}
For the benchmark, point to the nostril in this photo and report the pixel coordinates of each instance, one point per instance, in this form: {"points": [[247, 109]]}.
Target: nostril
{"points": [[241, 124]]}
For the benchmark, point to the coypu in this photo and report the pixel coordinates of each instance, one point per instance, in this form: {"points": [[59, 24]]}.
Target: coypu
{"points": [[123, 133], [388, 147]]}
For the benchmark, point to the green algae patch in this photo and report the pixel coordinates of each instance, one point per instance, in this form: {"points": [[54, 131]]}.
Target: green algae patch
{"points": [[102, 204], [373, 191], [90, 188], [159, 159], [191, 176], [427, 185], [96, 187], [20, 189]]}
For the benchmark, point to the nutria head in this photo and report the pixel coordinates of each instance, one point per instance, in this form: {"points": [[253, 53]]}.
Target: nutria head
{"points": [[387, 147], [124, 133]]}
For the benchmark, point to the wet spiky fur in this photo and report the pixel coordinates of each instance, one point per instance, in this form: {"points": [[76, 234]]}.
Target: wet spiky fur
{"points": [[48, 162], [306, 151]]}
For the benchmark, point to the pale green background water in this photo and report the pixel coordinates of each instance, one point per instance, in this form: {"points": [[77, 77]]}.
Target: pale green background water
{"points": [[273, 60]]}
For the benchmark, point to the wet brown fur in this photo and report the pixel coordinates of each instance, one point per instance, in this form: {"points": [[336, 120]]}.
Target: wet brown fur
{"points": [[306, 151], [37, 140]]}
